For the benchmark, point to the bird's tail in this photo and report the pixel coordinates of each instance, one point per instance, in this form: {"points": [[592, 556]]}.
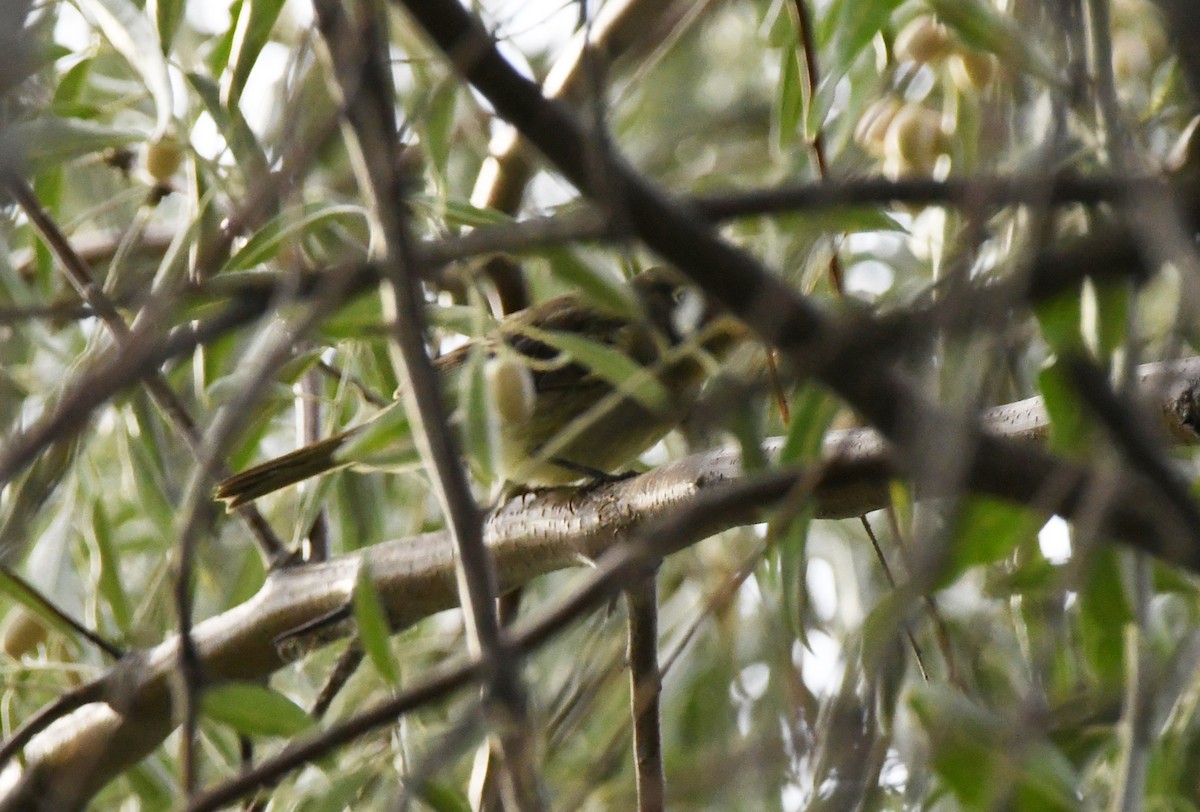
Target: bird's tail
{"points": [[270, 476]]}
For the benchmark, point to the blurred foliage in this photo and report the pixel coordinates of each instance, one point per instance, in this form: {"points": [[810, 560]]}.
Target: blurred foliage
{"points": [[795, 666]]}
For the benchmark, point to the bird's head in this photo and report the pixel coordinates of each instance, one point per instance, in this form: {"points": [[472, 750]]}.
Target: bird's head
{"points": [[683, 314]]}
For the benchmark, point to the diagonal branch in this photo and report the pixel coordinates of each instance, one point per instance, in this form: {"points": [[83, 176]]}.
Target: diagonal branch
{"points": [[362, 79], [845, 357], [558, 528]]}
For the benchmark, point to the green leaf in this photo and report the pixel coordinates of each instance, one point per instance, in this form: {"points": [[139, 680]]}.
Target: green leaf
{"points": [[218, 57], [1105, 611], [457, 212], [71, 84], [292, 369], [254, 710], [110, 568], [444, 797], [148, 480], [461, 319], [268, 240], [885, 623], [243, 143], [439, 124], [1060, 319], [987, 531], [49, 185], [816, 109], [981, 26], [610, 364], [812, 410], [385, 442], [29, 599], [846, 219], [965, 741], [596, 287], [346, 790], [744, 420], [900, 499], [854, 24], [1112, 318], [781, 31], [49, 141], [374, 631], [130, 32], [792, 546], [970, 753], [789, 108], [480, 421], [255, 20], [167, 15], [1069, 428]]}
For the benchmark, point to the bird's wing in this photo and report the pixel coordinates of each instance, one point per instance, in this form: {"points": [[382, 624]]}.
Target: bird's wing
{"points": [[533, 335]]}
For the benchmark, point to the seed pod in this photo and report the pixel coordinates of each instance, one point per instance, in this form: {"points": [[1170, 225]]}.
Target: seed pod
{"points": [[972, 71], [163, 158], [914, 140], [872, 127], [924, 41], [23, 632]]}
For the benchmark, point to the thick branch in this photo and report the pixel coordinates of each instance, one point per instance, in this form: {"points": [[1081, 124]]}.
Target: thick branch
{"points": [[550, 530]]}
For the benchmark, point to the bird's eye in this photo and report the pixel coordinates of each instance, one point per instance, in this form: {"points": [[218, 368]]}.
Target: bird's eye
{"points": [[687, 313]]}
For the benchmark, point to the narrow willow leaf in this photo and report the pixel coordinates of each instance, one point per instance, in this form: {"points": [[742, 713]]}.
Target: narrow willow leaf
{"points": [[789, 106], [983, 27], [1069, 428], [167, 15], [218, 56], [853, 25], [442, 796], [255, 20], [254, 710], [373, 627], [812, 412], [232, 125], [109, 579], [594, 286], [129, 30], [610, 364], [987, 531], [386, 442], [439, 125], [49, 141], [270, 239], [457, 212], [480, 421]]}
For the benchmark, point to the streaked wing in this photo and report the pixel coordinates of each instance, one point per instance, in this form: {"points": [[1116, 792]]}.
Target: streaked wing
{"points": [[564, 314]]}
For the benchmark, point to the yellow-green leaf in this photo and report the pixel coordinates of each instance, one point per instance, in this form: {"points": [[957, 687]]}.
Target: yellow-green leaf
{"points": [[254, 710]]}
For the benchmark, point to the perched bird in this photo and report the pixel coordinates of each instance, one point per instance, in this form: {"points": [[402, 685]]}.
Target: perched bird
{"points": [[577, 390]]}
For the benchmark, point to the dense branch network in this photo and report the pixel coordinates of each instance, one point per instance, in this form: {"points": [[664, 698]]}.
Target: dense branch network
{"points": [[669, 508]]}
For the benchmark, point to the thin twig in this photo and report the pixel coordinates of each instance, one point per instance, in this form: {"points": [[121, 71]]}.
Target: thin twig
{"points": [[538, 533], [615, 571], [645, 690], [362, 77], [816, 143], [347, 663], [49, 607], [164, 396], [887, 572]]}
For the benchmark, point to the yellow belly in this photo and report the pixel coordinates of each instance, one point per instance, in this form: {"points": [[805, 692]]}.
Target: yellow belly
{"points": [[591, 428]]}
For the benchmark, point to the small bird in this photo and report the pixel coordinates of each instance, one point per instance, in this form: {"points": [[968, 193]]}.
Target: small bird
{"points": [[577, 390]]}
